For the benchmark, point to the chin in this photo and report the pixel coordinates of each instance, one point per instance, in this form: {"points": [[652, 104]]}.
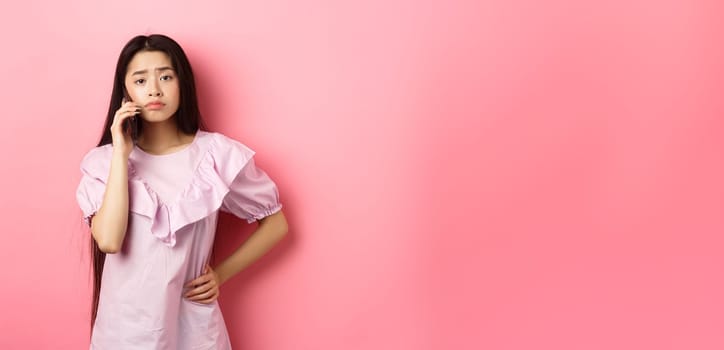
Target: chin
{"points": [[156, 119]]}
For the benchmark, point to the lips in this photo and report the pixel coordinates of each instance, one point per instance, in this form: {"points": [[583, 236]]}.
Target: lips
{"points": [[155, 105]]}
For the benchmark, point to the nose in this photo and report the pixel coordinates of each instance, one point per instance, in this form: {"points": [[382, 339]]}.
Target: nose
{"points": [[154, 90]]}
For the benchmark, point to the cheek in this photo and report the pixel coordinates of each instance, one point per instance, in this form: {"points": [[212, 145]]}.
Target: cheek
{"points": [[176, 94], [133, 92]]}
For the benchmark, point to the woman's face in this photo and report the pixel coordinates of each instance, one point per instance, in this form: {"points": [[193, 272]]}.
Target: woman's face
{"points": [[150, 79]]}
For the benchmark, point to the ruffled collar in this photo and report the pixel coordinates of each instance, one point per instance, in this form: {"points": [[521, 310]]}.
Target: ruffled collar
{"points": [[220, 161]]}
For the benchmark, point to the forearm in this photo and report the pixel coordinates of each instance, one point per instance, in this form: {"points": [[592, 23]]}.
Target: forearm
{"points": [[109, 224], [270, 231]]}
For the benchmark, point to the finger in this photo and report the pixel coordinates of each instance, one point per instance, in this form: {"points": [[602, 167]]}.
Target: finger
{"points": [[200, 280], [133, 107], [203, 302], [215, 296], [209, 282], [200, 284], [209, 300], [202, 288], [127, 110], [210, 296], [133, 111], [194, 283], [122, 116], [126, 105], [201, 296]]}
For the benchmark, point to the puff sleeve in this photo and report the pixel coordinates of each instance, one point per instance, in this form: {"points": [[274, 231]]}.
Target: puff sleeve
{"points": [[92, 186], [252, 194]]}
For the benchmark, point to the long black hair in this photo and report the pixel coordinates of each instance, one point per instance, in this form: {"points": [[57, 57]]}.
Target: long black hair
{"points": [[188, 117]]}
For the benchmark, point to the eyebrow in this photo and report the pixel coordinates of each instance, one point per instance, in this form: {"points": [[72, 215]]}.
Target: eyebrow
{"points": [[158, 69]]}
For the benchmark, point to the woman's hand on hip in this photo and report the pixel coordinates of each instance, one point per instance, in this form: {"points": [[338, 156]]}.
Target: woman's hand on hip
{"points": [[205, 288]]}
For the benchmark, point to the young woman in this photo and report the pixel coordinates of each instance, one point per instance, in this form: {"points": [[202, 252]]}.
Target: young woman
{"points": [[150, 193]]}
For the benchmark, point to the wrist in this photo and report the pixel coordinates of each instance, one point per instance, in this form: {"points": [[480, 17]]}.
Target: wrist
{"points": [[119, 154]]}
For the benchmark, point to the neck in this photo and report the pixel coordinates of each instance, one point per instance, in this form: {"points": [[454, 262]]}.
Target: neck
{"points": [[161, 137]]}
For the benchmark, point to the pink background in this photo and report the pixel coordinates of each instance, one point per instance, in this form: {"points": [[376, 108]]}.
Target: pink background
{"points": [[457, 175]]}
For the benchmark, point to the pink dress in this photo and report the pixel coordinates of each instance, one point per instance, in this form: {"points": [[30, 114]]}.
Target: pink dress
{"points": [[174, 201]]}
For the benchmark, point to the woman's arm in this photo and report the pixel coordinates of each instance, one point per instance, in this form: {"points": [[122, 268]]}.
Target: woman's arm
{"points": [[271, 230], [109, 225]]}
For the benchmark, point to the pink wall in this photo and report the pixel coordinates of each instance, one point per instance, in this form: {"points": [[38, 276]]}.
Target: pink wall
{"points": [[479, 175]]}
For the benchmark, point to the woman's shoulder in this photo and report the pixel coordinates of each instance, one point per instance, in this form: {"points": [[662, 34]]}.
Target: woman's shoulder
{"points": [[98, 153], [97, 160], [219, 142]]}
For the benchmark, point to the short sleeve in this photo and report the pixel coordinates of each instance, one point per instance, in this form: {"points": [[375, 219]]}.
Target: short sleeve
{"points": [[252, 195], [92, 186]]}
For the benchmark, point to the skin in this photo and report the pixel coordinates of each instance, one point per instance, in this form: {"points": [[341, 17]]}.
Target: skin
{"points": [[150, 77]]}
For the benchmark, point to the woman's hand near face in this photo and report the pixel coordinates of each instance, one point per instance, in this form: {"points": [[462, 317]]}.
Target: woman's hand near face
{"points": [[122, 141]]}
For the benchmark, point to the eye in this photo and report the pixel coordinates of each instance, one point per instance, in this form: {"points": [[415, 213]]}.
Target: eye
{"points": [[166, 76], [137, 81]]}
